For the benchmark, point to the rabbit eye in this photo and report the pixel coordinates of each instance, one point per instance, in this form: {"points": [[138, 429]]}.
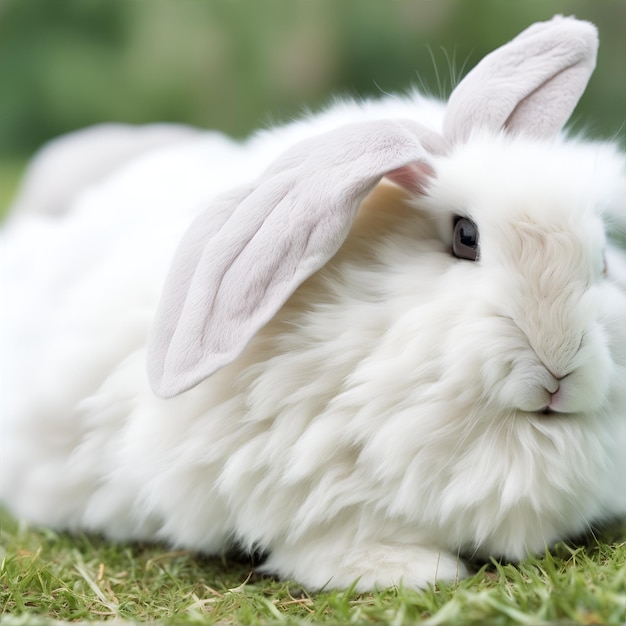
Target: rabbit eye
{"points": [[465, 239]]}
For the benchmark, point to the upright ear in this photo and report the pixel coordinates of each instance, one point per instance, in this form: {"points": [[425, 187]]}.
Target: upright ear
{"points": [[226, 283], [530, 84]]}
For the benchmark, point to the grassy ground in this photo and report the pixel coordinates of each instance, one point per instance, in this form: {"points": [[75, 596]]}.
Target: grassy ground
{"points": [[46, 576]]}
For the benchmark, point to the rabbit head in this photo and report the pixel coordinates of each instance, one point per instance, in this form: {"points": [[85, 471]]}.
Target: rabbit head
{"points": [[230, 279]]}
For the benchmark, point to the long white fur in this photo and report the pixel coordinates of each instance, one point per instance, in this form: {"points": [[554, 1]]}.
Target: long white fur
{"points": [[386, 421]]}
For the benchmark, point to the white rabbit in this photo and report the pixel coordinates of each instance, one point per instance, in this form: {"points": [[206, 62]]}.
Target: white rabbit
{"points": [[72, 162], [372, 378]]}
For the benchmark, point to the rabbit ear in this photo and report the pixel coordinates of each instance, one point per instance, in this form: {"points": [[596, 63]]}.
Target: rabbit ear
{"points": [[226, 283], [530, 84]]}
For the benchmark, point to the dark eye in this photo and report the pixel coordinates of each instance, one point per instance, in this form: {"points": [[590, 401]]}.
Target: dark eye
{"points": [[465, 239]]}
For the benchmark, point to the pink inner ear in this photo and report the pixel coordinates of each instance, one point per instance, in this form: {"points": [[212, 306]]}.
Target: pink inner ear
{"points": [[414, 177]]}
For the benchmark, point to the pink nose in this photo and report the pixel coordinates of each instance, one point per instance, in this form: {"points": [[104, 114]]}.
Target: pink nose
{"points": [[556, 400]]}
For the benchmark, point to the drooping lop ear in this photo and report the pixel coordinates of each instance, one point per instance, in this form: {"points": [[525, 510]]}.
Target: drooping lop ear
{"points": [[529, 85], [226, 283]]}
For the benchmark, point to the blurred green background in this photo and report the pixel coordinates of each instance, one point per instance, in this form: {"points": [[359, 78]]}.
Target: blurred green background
{"points": [[236, 65]]}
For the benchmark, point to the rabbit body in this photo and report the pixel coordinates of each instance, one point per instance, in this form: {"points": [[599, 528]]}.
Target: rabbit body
{"points": [[389, 418]]}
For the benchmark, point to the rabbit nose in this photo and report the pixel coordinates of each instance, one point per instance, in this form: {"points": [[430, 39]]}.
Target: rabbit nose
{"points": [[556, 397], [553, 387], [549, 408]]}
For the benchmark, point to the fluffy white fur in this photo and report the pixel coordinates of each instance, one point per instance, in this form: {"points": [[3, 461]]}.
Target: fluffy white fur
{"points": [[387, 420], [69, 164]]}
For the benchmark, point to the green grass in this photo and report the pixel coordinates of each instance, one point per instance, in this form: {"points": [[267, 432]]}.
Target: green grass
{"points": [[45, 576], [10, 173]]}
